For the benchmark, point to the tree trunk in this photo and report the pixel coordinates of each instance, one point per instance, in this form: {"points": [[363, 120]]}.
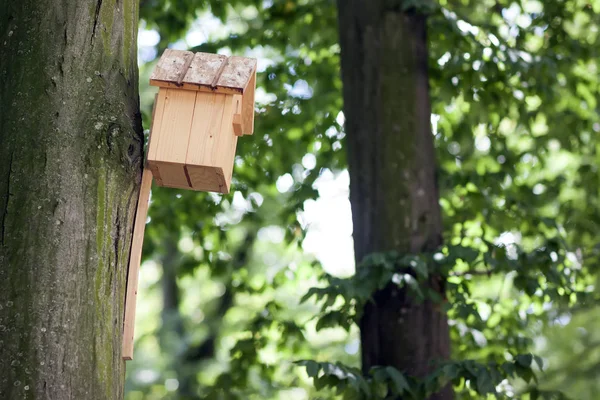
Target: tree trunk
{"points": [[393, 188], [70, 166]]}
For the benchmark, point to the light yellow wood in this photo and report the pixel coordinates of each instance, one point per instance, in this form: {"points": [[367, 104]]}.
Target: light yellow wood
{"points": [[248, 106], [175, 126], [205, 129], [135, 257], [156, 126], [212, 142], [228, 143], [237, 115]]}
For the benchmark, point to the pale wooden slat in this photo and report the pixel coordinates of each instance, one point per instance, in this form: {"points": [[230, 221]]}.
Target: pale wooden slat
{"points": [[237, 115], [153, 113], [228, 143], [155, 129], [175, 127], [170, 66], [248, 106], [168, 143], [212, 142], [135, 257]]}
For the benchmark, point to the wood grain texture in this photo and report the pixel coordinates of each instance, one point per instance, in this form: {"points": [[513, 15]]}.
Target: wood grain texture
{"points": [[173, 134], [209, 110], [168, 145], [135, 258], [157, 114], [212, 142], [225, 152], [248, 106], [237, 115]]}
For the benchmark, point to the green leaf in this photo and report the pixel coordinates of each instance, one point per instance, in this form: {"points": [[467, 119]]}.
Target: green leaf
{"points": [[398, 379], [540, 363], [450, 371], [484, 382], [524, 360]]}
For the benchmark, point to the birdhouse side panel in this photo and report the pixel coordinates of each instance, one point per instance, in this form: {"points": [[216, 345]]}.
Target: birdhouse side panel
{"points": [[227, 142], [157, 114], [248, 107]]}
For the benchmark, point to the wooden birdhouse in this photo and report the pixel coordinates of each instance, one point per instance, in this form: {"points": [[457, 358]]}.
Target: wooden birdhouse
{"points": [[204, 102]]}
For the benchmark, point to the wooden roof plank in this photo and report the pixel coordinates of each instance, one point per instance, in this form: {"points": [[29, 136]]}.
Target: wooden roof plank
{"points": [[237, 73], [204, 69], [171, 66]]}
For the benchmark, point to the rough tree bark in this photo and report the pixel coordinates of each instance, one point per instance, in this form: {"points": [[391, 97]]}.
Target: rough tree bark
{"points": [[70, 165], [393, 188]]}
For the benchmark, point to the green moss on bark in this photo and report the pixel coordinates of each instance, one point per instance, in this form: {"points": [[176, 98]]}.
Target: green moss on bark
{"points": [[70, 140]]}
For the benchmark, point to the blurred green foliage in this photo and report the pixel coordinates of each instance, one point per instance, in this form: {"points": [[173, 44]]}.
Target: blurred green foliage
{"points": [[230, 305]]}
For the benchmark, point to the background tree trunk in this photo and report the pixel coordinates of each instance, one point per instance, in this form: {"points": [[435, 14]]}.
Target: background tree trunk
{"points": [[70, 163], [393, 188]]}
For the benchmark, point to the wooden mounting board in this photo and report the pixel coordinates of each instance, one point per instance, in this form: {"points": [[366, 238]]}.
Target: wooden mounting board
{"points": [[135, 258]]}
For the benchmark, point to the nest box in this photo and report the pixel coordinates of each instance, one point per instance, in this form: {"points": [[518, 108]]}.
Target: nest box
{"points": [[204, 102]]}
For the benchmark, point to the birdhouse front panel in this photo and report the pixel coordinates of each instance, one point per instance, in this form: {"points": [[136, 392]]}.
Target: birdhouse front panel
{"points": [[205, 101]]}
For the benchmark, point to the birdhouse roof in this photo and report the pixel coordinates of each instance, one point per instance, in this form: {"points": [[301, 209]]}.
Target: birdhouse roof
{"points": [[203, 72]]}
